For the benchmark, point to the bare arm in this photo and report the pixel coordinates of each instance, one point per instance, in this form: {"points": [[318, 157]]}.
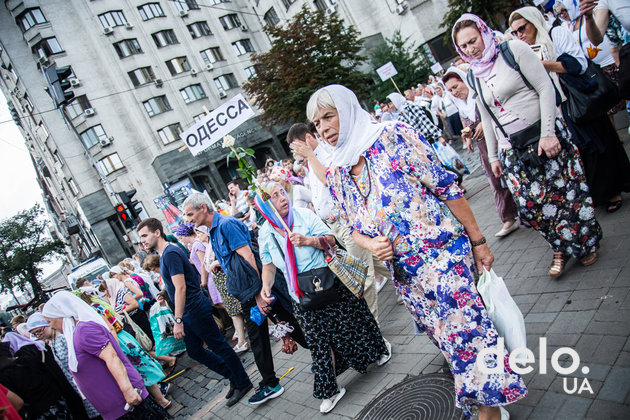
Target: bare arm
{"points": [[204, 272], [131, 304], [314, 164], [15, 400], [554, 66], [300, 240], [268, 278], [596, 21], [135, 289], [380, 246], [246, 252], [118, 371], [180, 302]]}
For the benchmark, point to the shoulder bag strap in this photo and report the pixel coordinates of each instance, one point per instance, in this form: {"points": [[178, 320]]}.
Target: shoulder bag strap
{"points": [[273, 236], [328, 250], [508, 56], [494, 118]]}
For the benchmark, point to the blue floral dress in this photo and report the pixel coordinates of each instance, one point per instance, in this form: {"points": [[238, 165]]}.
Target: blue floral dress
{"points": [[401, 194]]}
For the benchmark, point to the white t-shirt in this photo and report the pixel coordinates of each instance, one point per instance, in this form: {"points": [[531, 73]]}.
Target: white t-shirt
{"points": [[601, 54], [619, 8]]}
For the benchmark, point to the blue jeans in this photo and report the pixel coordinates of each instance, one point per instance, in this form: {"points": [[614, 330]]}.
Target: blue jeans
{"points": [[199, 328]]}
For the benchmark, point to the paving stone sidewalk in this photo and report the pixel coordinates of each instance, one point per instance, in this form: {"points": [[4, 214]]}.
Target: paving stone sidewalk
{"points": [[587, 309]]}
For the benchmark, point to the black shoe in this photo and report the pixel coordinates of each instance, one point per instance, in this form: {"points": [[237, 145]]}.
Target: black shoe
{"points": [[238, 394], [230, 391], [164, 388]]}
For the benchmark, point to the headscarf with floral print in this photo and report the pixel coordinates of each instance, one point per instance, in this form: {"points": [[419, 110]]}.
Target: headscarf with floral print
{"points": [[480, 67]]}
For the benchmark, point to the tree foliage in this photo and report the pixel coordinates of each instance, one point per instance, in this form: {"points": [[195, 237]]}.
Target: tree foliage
{"points": [[24, 246], [493, 12], [412, 67], [312, 50]]}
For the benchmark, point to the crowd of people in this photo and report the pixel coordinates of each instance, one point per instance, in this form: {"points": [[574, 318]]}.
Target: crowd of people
{"points": [[380, 185]]}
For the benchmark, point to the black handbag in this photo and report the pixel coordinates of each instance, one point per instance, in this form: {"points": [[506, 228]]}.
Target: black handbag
{"points": [[318, 285], [524, 142]]}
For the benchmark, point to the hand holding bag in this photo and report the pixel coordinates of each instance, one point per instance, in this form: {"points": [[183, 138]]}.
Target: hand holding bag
{"points": [[142, 339], [503, 311], [351, 270]]}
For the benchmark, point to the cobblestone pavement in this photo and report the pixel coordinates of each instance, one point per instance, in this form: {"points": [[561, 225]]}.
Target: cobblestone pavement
{"points": [[587, 309]]}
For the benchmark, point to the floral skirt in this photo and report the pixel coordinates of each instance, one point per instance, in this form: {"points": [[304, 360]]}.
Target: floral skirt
{"points": [[555, 200], [147, 366], [346, 327], [447, 306], [232, 305]]}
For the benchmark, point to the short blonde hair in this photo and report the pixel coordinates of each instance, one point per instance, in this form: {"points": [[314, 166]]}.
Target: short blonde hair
{"points": [[320, 99]]}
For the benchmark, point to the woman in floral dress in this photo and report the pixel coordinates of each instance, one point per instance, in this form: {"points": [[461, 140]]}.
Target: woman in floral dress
{"points": [[406, 209]]}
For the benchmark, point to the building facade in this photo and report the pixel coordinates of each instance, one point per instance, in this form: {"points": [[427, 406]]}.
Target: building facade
{"points": [[142, 72]]}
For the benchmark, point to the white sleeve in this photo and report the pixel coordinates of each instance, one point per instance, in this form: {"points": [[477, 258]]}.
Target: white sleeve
{"points": [[565, 43]]}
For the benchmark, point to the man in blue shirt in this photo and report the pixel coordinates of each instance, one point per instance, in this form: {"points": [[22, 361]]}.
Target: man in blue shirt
{"points": [[193, 311], [232, 246]]}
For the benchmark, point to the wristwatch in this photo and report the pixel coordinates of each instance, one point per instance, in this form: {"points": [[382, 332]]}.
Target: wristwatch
{"points": [[178, 320]]}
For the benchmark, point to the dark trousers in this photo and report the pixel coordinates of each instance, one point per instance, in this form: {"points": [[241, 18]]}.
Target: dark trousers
{"points": [[260, 343], [199, 328]]}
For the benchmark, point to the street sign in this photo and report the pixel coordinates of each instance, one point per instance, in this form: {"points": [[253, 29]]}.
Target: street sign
{"points": [[387, 71], [216, 124]]}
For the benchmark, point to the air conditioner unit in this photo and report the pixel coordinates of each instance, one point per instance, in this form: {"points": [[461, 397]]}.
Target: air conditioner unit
{"points": [[89, 112], [243, 28], [222, 94], [193, 72], [183, 13], [74, 82], [209, 67], [128, 25], [106, 142], [158, 83], [108, 30], [401, 8]]}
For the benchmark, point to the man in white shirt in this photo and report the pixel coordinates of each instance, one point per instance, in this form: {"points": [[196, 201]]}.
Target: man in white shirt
{"points": [[238, 201]]}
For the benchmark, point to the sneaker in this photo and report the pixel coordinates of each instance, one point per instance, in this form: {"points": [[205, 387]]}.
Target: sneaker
{"points": [[230, 391], [329, 403], [238, 394], [385, 356], [164, 387], [380, 283], [266, 393], [505, 415]]}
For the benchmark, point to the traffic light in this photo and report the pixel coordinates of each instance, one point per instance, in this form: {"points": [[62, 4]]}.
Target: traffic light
{"points": [[57, 79], [133, 206], [123, 216]]}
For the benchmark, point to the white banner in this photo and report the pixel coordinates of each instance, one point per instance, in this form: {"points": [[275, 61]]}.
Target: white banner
{"points": [[218, 123], [436, 68], [387, 71]]}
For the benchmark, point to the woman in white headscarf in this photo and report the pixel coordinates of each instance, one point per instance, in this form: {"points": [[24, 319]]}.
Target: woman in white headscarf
{"points": [[463, 97], [606, 163], [408, 210], [98, 364]]}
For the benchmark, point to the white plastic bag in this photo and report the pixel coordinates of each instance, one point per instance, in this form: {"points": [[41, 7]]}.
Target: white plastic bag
{"points": [[502, 309]]}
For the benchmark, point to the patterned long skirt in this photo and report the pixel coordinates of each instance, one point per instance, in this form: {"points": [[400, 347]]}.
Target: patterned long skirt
{"points": [[346, 327], [554, 199], [449, 309], [232, 305]]}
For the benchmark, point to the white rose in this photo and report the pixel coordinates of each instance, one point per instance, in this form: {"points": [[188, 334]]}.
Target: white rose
{"points": [[228, 141]]}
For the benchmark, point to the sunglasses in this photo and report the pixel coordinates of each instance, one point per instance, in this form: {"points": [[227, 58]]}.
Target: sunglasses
{"points": [[520, 29]]}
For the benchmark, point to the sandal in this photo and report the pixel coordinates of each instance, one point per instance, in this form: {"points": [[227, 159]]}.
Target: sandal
{"points": [[167, 406], [590, 259], [557, 264], [613, 206]]}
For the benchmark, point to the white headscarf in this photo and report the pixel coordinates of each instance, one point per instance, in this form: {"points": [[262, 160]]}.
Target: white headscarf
{"points": [[466, 108], [398, 100], [357, 130], [68, 306], [533, 16]]}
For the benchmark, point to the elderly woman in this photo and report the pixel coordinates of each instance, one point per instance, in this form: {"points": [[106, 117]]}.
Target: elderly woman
{"points": [[552, 196], [407, 209], [463, 98], [98, 365], [40, 328], [300, 196], [605, 161], [341, 334]]}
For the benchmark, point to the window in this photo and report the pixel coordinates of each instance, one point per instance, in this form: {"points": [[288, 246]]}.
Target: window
{"points": [[199, 117], [220, 1], [157, 105], [127, 47], [212, 55], [164, 38], [243, 46], [47, 47], [93, 135], [77, 106], [57, 157], [110, 163], [178, 65], [192, 93], [112, 18], [225, 82], [250, 71], [230, 21], [170, 133], [141, 76], [199, 29], [29, 18], [186, 5], [73, 187], [288, 3], [271, 17], [150, 10]]}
